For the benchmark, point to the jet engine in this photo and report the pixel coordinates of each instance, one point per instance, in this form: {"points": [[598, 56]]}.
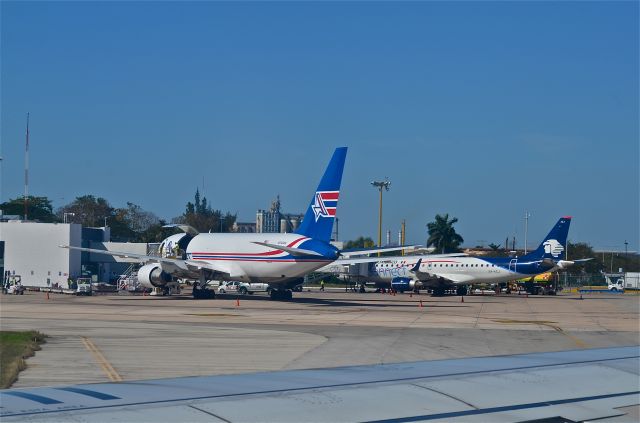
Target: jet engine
{"points": [[152, 276], [403, 284]]}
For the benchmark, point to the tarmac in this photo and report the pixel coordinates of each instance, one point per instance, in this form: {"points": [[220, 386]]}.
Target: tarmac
{"points": [[125, 337]]}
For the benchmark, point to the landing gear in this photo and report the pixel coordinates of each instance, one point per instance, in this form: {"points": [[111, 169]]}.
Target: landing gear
{"points": [[200, 291], [438, 291], [203, 294], [462, 290], [281, 294]]}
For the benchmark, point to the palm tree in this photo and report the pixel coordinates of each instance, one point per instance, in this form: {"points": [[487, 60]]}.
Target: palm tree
{"points": [[442, 235]]}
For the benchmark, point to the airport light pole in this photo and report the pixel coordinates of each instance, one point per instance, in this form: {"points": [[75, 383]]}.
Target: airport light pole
{"points": [[381, 185], [526, 228]]}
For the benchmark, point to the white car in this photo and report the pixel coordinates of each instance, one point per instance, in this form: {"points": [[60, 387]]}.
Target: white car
{"points": [[228, 287], [242, 287]]}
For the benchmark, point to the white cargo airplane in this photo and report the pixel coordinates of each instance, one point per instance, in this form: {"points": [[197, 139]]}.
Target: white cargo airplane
{"points": [[275, 258], [441, 272]]}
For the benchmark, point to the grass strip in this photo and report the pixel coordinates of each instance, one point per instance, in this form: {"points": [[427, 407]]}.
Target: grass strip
{"points": [[15, 347]]}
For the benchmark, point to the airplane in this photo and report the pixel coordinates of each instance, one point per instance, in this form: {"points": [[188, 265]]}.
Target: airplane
{"points": [[276, 258], [442, 272], [279, 259], [564, 386]]}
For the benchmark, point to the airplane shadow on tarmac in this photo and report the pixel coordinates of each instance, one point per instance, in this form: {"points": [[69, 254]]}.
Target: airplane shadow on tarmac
{"points": [[361, 302]]}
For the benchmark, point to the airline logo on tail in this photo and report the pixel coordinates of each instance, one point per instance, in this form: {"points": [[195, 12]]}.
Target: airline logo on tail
{"points": [[553, 247], [325, 204]]}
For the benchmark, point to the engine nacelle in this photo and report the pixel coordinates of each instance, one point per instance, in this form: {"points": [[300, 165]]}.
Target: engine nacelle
{"points": [[403, 284], [152, 276]]}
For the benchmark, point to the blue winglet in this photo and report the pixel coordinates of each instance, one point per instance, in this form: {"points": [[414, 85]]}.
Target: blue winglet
{"points": [[318, 220]]}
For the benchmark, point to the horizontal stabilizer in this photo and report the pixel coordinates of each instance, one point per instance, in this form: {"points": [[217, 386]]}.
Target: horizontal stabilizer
{"points": [[298, 252]]}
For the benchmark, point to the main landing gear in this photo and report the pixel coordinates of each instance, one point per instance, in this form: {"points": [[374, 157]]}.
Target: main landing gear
{"points": [[200, 291], [280, 294]]}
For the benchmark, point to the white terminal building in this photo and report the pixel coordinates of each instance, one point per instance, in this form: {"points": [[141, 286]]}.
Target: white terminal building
{"points": [[32, 251]]}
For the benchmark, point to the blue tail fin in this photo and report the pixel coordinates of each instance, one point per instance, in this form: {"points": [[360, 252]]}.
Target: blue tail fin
{"points": [[552, 247], [318, 221]]}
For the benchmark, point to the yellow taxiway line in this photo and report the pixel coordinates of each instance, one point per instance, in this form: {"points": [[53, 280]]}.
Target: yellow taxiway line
{"points": [[107, 368]]}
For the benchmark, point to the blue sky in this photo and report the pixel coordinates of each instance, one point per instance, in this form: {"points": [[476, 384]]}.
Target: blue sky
{"points": [[481, 110]]}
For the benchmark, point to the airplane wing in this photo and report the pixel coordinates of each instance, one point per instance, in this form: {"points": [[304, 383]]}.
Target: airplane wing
{"points": [[364, 251], [358, 260], [189, 268], [574, 385], [453, 277]]}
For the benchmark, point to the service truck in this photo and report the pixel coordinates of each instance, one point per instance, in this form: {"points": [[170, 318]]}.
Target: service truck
{"points": [[623, 281]]}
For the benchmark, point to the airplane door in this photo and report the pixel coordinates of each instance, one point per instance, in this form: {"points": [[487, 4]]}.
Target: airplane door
{"points": [[512, 264]]}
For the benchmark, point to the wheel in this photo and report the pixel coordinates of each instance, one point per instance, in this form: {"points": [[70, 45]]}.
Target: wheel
{"points": [[242, 290], [288, 295], [438, 292], [222, 291]]}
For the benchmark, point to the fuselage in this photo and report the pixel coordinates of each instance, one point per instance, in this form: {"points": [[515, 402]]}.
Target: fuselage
{"points": [[457, 270], [247, 261]]}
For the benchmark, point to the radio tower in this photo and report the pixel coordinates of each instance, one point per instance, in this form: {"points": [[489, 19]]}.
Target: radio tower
{"points": [[26, 172]]}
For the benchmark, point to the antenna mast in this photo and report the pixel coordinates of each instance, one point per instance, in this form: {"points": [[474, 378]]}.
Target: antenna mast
{"points": [[26, 172]]}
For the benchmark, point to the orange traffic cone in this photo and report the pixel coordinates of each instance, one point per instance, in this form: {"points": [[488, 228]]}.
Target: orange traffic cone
{"points": [[237, 302], [462, 299], [420, 303], [47, 295]]}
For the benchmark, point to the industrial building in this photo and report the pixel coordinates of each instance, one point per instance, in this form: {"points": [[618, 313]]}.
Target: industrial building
{"points": [[32, 251]]}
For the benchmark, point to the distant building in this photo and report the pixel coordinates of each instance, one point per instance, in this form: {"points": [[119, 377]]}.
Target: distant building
{"points": [[244, 227], [274, 221]]}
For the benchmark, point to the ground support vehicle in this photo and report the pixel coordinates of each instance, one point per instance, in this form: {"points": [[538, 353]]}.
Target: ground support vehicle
{"points": [[622, 281], [243, 287]]}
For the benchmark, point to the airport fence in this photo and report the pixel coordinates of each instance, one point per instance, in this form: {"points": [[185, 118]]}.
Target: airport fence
{"points": [[568, 281]]}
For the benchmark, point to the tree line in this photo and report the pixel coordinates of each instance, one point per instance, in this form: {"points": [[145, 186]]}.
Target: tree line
{"points": [[133, 224], [127, 224]]}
